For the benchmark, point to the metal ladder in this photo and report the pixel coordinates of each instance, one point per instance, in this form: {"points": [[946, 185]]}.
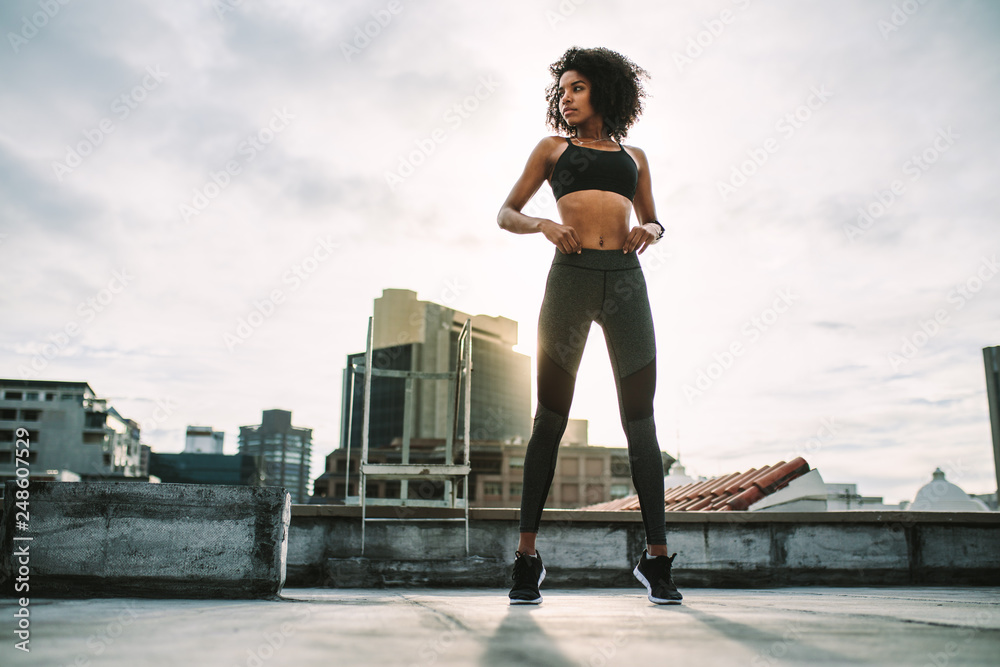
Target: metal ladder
{"points": [[448, 472]]}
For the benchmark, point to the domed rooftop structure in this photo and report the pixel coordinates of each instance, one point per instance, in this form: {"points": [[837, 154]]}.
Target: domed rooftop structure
{"points": [[940, 495], [677, 477]]}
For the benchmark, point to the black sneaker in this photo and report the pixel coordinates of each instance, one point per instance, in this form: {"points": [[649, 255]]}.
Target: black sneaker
{"points": [[528, 576], [654, 573]]}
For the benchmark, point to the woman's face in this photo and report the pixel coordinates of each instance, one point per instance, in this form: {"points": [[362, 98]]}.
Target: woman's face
{"points": [[574, 97]]}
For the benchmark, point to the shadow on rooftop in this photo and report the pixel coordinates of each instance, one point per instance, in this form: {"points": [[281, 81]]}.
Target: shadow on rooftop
{"points": [[519, 640], [768, 646]]}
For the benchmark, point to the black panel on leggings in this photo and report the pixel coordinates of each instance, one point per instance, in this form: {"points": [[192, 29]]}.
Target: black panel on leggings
{"points": [[555, 386]]}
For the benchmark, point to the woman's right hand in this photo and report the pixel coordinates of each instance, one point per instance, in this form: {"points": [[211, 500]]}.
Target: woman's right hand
{"points": [[561, 236]]}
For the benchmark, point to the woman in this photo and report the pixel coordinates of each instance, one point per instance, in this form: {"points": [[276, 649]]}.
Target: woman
{"points": [[595, 97]]}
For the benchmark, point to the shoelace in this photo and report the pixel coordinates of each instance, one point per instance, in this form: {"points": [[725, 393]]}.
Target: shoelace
{"points": [[663, 567]]}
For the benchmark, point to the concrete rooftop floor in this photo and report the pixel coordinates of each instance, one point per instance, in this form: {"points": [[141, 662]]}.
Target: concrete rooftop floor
{"points": [[596, 627]]}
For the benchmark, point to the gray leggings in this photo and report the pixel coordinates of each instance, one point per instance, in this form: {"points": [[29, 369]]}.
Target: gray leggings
{"points": [[607, 287]]}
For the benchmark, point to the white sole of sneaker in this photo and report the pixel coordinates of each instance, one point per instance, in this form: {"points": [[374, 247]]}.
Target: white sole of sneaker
{"points": [[541, 578], [649, 589], [538, 601]]}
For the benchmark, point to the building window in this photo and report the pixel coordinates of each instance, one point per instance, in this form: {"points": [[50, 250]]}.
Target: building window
{"points": [[50, 396], [570, 493], [570, 467], [595, 467], [30, 415], [492, 489], [31, 396], [515, 489], [5, 456], [619, 467], [516, 462], [619, 491], [594, 494], [13, 395], [8, 415], [6, 435], [107, 459], [486, 465]]}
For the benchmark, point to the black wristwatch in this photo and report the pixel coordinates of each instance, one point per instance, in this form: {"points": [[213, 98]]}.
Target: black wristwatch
{"points": [[658, 224]]}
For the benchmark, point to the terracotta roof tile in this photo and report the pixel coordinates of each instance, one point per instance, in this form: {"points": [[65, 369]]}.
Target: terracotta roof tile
{"points": [[732, 492]]}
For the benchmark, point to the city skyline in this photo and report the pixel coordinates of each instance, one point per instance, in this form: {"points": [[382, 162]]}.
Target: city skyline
{"points": [[199, 204]]}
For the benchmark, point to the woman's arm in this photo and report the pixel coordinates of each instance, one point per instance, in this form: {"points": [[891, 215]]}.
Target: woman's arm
{"points": [[645, 233], [534, 174]]}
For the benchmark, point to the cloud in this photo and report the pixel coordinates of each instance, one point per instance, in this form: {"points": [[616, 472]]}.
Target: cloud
{"points": [[357, 118]]}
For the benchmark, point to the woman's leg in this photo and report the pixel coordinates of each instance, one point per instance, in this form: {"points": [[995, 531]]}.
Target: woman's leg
{"points": [[628, 330], [571, 302]]}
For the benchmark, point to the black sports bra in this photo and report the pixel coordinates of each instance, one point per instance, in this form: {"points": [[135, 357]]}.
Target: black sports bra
{"points": [[580, 168]]}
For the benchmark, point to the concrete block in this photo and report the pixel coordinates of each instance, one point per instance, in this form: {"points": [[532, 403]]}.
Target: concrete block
{"points": [[846, 547], [111, 539], [595, 549], [462, 572], [721, 546], [428, 539], [957, 554]]}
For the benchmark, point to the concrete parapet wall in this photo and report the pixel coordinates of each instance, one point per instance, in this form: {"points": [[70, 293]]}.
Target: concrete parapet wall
{"points": [[583, 548], [109, 539]]}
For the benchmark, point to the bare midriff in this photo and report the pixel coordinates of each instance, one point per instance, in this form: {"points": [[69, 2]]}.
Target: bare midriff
{"points": [[596, 215]]}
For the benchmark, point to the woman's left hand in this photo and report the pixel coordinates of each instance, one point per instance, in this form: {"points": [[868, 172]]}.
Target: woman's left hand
{"points": [[639, 237]]}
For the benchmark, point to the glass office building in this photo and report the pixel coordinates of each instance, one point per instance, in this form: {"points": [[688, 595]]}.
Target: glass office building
{"points": [[282, 452], [423, 336]]}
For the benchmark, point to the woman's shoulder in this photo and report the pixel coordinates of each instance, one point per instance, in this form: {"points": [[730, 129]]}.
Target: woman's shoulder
{"points": [[550, 148], [552, 141], [637, 153]]}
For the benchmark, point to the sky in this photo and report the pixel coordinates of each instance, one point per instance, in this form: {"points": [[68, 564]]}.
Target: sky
{"points": [[200, 201]]}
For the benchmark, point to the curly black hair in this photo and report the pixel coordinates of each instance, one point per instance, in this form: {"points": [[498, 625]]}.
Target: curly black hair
{"points": [[616, 92]]}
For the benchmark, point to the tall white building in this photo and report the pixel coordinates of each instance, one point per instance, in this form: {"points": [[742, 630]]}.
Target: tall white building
{"points": [[203, 440]]}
